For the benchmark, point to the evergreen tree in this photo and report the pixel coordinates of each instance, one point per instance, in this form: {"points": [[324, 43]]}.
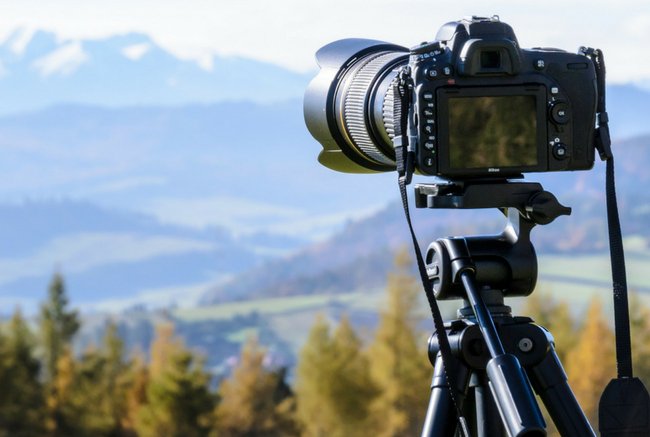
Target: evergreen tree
{"points": [[21, 398], [334, 388], [398, 357], [179, 403], [96, 401], [254, 401], [591, 364], [58, 325]]}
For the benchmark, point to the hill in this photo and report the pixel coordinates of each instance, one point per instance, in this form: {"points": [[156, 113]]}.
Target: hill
{"points": [[115, 259], [357, 257]]}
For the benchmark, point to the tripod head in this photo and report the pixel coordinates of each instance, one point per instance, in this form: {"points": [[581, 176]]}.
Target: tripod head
{"points": [[506, 262]]}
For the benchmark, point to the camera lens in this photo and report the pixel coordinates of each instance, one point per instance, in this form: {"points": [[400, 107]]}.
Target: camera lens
{"points": [[348, 108]]}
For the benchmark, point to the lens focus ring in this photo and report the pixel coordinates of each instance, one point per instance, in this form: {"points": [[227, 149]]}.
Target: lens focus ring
{"points": [[355, 105]]}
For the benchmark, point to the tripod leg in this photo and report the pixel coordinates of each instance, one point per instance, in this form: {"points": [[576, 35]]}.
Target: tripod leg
{"points": [[550, 383], [488, 422], [441, 420]]}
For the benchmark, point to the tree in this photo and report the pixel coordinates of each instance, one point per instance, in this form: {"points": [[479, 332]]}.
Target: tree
{"points": [[399, 363], [21, 398], [255, 401], [334, 388], [179, 403], [58, 325], [590, 364]]}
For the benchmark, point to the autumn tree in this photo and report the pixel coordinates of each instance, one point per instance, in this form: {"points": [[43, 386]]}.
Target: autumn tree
{"points": [[255, 401], [398, 358], [591, 363], [334, 388], [179, 402]]}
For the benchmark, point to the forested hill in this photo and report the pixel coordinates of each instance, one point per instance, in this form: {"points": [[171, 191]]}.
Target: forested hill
{"points": [[359, 256]]}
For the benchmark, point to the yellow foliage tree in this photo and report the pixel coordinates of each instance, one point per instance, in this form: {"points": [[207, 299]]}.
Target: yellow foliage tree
{"points": [[591, 363], [398, 357], [334, 388], [254, 401]]}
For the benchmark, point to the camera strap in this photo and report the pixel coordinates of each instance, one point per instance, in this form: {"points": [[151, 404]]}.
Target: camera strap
{"points": [[624, 407], [402, 93]]}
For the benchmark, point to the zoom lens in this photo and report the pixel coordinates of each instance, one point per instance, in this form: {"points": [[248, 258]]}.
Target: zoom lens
{"points": [[348, 108]]}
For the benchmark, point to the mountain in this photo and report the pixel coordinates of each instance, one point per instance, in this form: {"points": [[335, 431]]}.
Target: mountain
{"points": [[115, 259], [358, 256], [246, 166], [38, 70]]}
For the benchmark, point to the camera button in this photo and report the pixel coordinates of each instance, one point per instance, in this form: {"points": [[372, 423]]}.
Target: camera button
{"points": [[539, 64], [560, 151], [432, 73], [560, 113], [429, 145], [427, 96], [447, 71]]}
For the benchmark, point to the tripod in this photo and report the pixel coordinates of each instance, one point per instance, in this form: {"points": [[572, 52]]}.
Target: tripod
{"points": [[497, 359]]}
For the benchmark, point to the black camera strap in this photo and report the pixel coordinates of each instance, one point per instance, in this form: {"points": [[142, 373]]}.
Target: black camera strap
{"points": [[402, 91], [624, 407]]}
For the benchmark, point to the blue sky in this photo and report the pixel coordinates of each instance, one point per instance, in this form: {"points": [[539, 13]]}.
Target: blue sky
{"points": [[287, 32]]}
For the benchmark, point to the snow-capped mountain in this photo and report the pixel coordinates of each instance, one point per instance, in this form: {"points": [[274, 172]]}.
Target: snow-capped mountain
{"points": [[38, 70]]}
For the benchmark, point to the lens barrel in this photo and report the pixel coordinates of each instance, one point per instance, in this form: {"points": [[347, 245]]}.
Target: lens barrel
{"points": [[348, 108]]}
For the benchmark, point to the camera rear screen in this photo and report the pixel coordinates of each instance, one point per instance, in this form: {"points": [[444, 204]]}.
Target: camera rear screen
{"points": [[492, 132]]}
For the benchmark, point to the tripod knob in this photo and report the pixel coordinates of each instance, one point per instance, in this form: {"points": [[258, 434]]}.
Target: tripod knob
{"points": [[543, 207]]}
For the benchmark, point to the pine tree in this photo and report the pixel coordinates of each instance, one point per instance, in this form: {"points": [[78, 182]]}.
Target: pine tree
{"points": [[334, 388], [640, 336], [398, 357], [58, 324], [179, 403], [255, 401], [591, 365], [21, 398]]}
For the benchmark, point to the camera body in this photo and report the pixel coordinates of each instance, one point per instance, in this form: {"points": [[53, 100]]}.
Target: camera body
{"points": [[480, 105]]}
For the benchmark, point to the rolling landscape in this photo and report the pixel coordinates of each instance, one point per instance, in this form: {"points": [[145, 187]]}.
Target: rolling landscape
{"points": [[184, 197]]}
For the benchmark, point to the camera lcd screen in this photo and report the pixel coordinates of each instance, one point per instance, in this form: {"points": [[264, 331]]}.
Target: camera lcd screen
{"points": [[492, 132]]}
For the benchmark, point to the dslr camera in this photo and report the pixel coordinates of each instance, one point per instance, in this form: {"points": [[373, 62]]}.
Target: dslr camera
{"points": [[480, 106]]}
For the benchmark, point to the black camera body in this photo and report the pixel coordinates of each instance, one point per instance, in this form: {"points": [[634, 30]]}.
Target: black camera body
{"points": [[480, 105]]}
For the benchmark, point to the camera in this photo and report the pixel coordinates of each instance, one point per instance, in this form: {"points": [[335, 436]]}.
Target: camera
{"points": [[480, 106]]}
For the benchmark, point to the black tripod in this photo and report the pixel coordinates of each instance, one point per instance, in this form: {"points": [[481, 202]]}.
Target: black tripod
{"points": [[497, 359]]}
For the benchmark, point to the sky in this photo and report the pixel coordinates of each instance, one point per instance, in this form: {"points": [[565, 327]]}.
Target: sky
{"points": [[288, 32]]}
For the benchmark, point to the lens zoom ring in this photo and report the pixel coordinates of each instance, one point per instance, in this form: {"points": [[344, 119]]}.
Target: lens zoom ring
{"points": [[355, 106]]}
